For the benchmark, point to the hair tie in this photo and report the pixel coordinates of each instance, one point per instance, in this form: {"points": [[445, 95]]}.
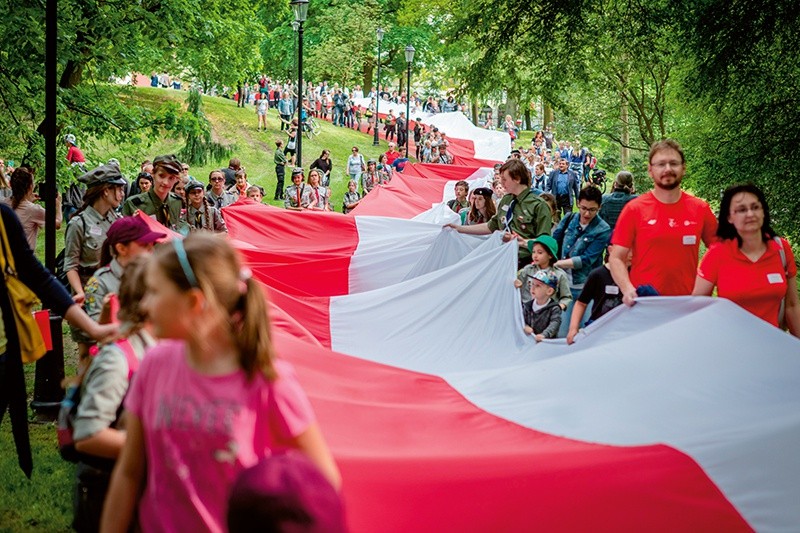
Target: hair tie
{"points": [[183, 260]]}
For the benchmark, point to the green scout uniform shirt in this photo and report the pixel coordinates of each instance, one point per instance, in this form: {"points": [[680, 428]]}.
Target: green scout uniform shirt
{"points": [[280, 158], [104, 281], [85, 235], [530, 218], [150, 204]]}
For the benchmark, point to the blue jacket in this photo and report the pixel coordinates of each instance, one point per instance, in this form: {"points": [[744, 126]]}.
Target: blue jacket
{"points": [[573, 184], [286, 106], [585, 248]]}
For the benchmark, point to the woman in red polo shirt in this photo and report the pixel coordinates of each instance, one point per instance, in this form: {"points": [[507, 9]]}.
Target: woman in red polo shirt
{"points": [[745, 265]]}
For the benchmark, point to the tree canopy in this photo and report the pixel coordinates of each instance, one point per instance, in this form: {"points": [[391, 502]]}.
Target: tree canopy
{"points": [[719, 75]]}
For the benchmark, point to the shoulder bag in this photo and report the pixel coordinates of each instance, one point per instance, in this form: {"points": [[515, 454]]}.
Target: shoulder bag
{"points": [[23, 300]]}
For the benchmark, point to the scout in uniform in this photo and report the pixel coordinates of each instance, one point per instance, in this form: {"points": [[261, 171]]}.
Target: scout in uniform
{"points": [[126, 239], [371, 178], [159, 202], [280, 168], [217, 196], [521, 214], [200, 215], [86, 232], [296, 194]]}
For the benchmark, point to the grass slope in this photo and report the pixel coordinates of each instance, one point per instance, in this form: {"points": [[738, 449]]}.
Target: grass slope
{"points": [[237, 126]]}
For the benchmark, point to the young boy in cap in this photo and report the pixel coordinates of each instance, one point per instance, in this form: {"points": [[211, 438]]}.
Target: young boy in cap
{"points": [[544, 250], [542, 314], [200, 215], [159, 202]]}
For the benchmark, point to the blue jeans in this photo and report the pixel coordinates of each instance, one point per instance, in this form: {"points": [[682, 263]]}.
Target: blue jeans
{"points": [[567, 314]]}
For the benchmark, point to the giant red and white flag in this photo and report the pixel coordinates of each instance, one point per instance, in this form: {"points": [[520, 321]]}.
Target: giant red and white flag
{"points": [[676, 414]]}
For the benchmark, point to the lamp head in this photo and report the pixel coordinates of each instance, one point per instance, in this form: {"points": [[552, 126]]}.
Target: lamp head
{"points": [[379, 32], [409, 54], [300, 9]]}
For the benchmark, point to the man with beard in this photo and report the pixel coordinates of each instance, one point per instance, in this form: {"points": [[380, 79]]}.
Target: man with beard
{"points": [[663, 229]]}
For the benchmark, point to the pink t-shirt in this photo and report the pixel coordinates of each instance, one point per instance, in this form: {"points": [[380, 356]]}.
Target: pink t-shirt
{"points": [[201, 431], [31, 216]]}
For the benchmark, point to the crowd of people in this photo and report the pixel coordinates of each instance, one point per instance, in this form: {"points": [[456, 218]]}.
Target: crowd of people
{"points": [[577, 265], [210, 320], [210, 402]]}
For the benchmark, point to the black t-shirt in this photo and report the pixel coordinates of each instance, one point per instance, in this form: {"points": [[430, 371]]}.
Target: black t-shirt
{"points": [[230, 177], [601, 289]]}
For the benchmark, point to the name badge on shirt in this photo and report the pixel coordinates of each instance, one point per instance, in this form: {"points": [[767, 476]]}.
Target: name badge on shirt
{"points": [[774, 278], [612, 289], [689, 240], [96, 231]]}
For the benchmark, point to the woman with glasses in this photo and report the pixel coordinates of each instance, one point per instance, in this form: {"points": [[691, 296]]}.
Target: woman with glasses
{"points": [[318, 197], [356, 165], [217, 196], [750, 265], [583, 237]]}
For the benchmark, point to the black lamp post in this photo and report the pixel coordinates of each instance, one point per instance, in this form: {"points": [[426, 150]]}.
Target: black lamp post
{"points": [[379, 33], [409, 60], [300, 8]]}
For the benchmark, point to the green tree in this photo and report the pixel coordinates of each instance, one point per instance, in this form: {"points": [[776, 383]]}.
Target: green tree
{"points": [[742, 107]]}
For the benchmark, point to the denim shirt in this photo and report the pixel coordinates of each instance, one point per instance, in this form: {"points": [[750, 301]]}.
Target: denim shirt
{"points": [[585, 248]]}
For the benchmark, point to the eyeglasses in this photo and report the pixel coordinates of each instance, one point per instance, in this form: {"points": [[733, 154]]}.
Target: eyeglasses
{"points": [[589, 210], [744, 210], [665, 164], [217, 179]]}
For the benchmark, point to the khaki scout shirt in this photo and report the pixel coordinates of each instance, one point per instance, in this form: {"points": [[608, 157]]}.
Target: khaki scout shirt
{"points": [[85, 235], [530, 217]]}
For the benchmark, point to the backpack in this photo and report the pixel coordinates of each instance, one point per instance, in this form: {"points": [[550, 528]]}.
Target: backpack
{"points": [[69, 411], [59, 273]]}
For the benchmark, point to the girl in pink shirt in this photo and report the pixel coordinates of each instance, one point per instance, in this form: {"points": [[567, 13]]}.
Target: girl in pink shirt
{"points": [[208, 403]]}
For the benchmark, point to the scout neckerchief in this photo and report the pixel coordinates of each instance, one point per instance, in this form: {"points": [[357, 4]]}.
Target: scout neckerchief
{"points": [[163, 214], [198, 219], [510, 214]]}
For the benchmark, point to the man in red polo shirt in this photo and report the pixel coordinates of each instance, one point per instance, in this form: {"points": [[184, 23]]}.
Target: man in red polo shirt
{"points": [[392, 153], [663, 228]]}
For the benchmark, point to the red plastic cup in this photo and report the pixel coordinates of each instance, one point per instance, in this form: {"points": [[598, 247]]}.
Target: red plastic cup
{"points": [[43, 321]]}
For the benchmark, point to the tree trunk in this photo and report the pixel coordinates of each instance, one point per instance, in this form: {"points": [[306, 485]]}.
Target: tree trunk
{"points": [[475, 112], [548, 115], [625, 152], [511, 108], [369, 77], [528, 118]]}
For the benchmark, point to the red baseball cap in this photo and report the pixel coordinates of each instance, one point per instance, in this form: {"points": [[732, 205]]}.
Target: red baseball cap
{"points": [[132, 229]]}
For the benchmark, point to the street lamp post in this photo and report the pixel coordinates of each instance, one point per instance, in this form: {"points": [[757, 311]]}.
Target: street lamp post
{"points": [[300, 8], [409, 60], [379, 33]]}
